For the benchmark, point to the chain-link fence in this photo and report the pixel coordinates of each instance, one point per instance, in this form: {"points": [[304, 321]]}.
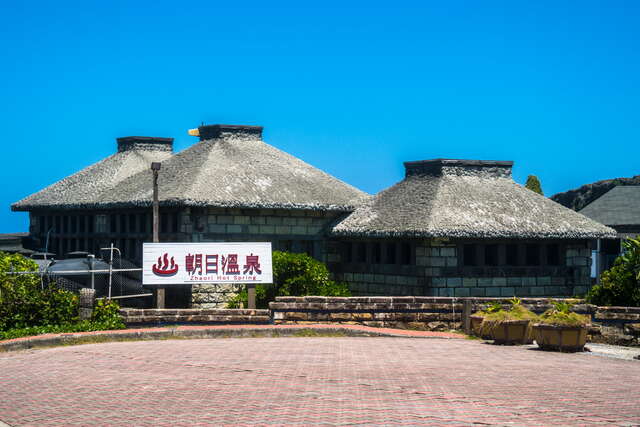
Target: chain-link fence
{"points": [[124, 279]]}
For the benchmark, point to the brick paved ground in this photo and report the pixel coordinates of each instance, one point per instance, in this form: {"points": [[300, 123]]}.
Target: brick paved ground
{"points": [[312, 381]]}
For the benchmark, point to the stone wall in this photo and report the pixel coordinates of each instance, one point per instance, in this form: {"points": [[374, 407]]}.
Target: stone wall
{"points": [[437, 272], [614, 325]]}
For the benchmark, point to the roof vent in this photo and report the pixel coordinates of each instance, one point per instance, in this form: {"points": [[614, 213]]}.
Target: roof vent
{"points": [[222, 131], [480, 168], [144, 143]]}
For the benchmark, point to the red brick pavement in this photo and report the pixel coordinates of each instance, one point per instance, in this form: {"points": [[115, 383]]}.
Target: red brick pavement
{"points": [[313, 381]]}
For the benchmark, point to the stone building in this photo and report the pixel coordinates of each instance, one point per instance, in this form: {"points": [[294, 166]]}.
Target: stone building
{"points": [[464, 228], [451, 227], [231, 186]]}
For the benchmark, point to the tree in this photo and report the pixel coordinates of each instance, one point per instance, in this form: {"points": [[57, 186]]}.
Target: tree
{"points": [[620, 285], [533, 184], [294, 275]]}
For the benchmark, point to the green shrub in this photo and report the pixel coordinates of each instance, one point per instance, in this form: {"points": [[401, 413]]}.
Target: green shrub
{"points": [[28, 309], [620, 285], [294, 275], [106, 313], [562, 315]]}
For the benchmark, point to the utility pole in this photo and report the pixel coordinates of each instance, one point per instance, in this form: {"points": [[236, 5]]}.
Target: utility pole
{"points": [[158, 293]]}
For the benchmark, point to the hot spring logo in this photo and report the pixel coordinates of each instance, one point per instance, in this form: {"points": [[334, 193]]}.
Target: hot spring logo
{"points": [[164, 268]]}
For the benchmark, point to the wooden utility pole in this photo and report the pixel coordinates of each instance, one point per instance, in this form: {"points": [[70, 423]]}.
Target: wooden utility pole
{"points": [[158, 293]]}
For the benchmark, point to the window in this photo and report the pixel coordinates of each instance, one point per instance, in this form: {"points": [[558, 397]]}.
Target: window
{"points": [[286, 245], [123, 223], [101, 223], [512, 254], [41, 224], [90, 223], [307, 247], [376, 252], [142, 223], [491, 255], [174, 223], [405, 253], [58, 228], [65, 224], [469, 255], [164, 223], [391, 253], [347, 250], [553, 254], [81, 224], [113, 224], [533, 254], [361, 252], [132, 223]]}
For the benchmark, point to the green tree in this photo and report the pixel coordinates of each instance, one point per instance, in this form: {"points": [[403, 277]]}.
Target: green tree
{"points": [[294, 275], [533, 184], [620, 285]]}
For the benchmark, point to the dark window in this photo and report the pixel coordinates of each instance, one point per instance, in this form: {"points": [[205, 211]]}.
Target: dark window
{"points": [[132, 223], [41, 224], [469, 255], [74, 224], [512, 254], [64, 246], [377, 253], [361, 252], [133, 253], [391, 253], [174, 223], [113, 224], [49, 223], [81, 221], [58, 229], [533, 254], [347, 250], [123, 223], [81, 245], [90, 220], [164, 223], [307, 247], [142, 223], [286, 245], [491, 255], [405, 254], [553, 254], [72, 245]]}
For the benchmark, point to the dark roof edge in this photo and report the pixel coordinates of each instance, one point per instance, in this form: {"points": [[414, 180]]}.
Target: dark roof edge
{"points": [[460, 162]]}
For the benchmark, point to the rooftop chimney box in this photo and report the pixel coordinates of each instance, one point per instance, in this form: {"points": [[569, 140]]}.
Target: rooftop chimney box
{"points": [[461, 167], [144, 143], [220, 131]]}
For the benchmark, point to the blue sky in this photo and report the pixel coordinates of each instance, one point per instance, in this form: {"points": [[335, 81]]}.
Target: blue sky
{"points": [[354, 88]]}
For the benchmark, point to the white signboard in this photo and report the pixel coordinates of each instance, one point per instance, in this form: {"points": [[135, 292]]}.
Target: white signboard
{"points": [[188, 263]]}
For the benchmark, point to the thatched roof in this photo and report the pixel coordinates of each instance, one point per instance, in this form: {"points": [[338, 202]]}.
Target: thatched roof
{"points": [[618, 206], [467, 199], [87, 186], [230, 167]]}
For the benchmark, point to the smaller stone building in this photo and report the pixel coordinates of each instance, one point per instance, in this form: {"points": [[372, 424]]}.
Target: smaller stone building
{"points": [[464, 228]]}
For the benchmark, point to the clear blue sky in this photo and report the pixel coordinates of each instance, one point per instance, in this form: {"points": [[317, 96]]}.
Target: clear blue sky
{"points": [[354, 88]]}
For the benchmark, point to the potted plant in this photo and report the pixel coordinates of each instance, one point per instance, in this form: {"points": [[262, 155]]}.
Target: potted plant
{"points": [[509, 327], [478, 317], [560, 329]]}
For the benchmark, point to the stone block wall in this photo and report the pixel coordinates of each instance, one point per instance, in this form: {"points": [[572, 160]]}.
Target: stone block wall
{"points": [[613, 325], [287, 230], [437, 273]]}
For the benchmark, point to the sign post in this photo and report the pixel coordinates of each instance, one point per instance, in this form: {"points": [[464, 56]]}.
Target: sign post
{"points": [[158, 294], [167, 264]]}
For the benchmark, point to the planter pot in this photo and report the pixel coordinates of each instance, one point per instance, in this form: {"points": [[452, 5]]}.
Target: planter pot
{"points": [[560, 338], [476, 326], [510, 332]]}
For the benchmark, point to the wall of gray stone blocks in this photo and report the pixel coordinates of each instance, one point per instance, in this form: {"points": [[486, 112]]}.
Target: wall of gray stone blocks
{"points": [[432, 256]]}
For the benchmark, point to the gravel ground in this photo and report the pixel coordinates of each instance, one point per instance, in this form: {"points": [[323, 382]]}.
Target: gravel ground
{"points": [[616, 351]]}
